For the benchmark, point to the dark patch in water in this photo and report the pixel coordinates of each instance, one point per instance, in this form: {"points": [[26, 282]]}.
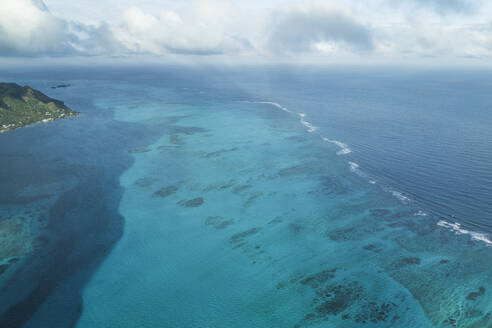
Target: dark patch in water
{"points": [[473, 295], [144, 182], [239, 189], [281, 285], [175, 139], [166, 191], [221, 185], [239, 245], [404, 262], [277, 219], [239, 237], [450, 321], [77, 245], [332, 299], [411, 260], [218, 222], [296, 227], [139, 150], [164, 148], [341, 234], [315, 280], [373, 248], [3, 268], [373, 312], [188, 130], [252, 198], [220, 152], [195, 202], [337, 298], [82, 225]]}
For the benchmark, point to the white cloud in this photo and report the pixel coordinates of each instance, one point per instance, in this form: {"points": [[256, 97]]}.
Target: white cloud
{"points": [[28, 28], [208, 27], [318, 27], [371, 30]]}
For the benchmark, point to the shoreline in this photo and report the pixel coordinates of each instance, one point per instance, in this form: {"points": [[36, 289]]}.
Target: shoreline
{"points": [[46, 120]]}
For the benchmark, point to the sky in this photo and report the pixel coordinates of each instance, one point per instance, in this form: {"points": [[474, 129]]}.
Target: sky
{"points": [[331, 31]]}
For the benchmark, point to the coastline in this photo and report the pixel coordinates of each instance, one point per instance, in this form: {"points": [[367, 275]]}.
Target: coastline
{"points": [[46, 120]]}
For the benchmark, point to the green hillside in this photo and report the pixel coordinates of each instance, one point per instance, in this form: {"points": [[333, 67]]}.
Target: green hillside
{"points": [[21, 106]]}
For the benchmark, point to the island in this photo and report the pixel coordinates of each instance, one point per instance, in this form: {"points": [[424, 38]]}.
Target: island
{"points": [[21, 106], [61, 86]]}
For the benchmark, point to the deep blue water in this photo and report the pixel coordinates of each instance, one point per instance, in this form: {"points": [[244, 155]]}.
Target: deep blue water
{"points": [[426, 133], [261, 196]]}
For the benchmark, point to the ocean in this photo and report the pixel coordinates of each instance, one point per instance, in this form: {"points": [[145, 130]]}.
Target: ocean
{"points": [[256, 196]]}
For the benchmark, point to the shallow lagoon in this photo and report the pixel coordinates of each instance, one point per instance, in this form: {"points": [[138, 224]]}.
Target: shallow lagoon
{"points": [[219, 209]]}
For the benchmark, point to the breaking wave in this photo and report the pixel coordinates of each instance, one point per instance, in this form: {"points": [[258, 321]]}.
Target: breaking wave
{"points": [[355, 168], [456, 227], [344, 148]]}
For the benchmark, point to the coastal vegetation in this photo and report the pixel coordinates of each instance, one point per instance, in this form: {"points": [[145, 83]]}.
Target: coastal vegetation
{"points": [[21, 106]]}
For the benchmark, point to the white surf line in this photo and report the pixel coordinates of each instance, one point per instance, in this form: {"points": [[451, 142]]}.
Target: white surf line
{"points": [[355, 168], [344, 149], [310, 127], [270, 103], [456, 227]]}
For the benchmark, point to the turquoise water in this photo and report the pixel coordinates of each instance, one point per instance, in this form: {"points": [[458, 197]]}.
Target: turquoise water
{"points": [[182, 201]]}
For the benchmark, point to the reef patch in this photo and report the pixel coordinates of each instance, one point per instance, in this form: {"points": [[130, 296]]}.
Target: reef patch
{"points": [[219, 222], [239, 189], [195, 202], [473, 295], [144, 182], [166, 191], [239, 237], [219, 152], [139, 150]]}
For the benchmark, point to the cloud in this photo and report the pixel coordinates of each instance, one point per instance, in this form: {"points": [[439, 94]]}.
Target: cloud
{"points": [[85, 39], [450, 6], [317, 28], [206, 29], [334, 29], [28, 28]]}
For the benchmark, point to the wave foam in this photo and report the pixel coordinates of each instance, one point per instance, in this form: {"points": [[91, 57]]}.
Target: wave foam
{"points": [[311, 128], [270, 103], [456, 227], [354, 166], [344, 148], [308, 125], [404, 199]]}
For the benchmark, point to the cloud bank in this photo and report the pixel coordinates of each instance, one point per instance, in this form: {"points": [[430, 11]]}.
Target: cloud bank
{"points": [[316, 28], [334, 29]]}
